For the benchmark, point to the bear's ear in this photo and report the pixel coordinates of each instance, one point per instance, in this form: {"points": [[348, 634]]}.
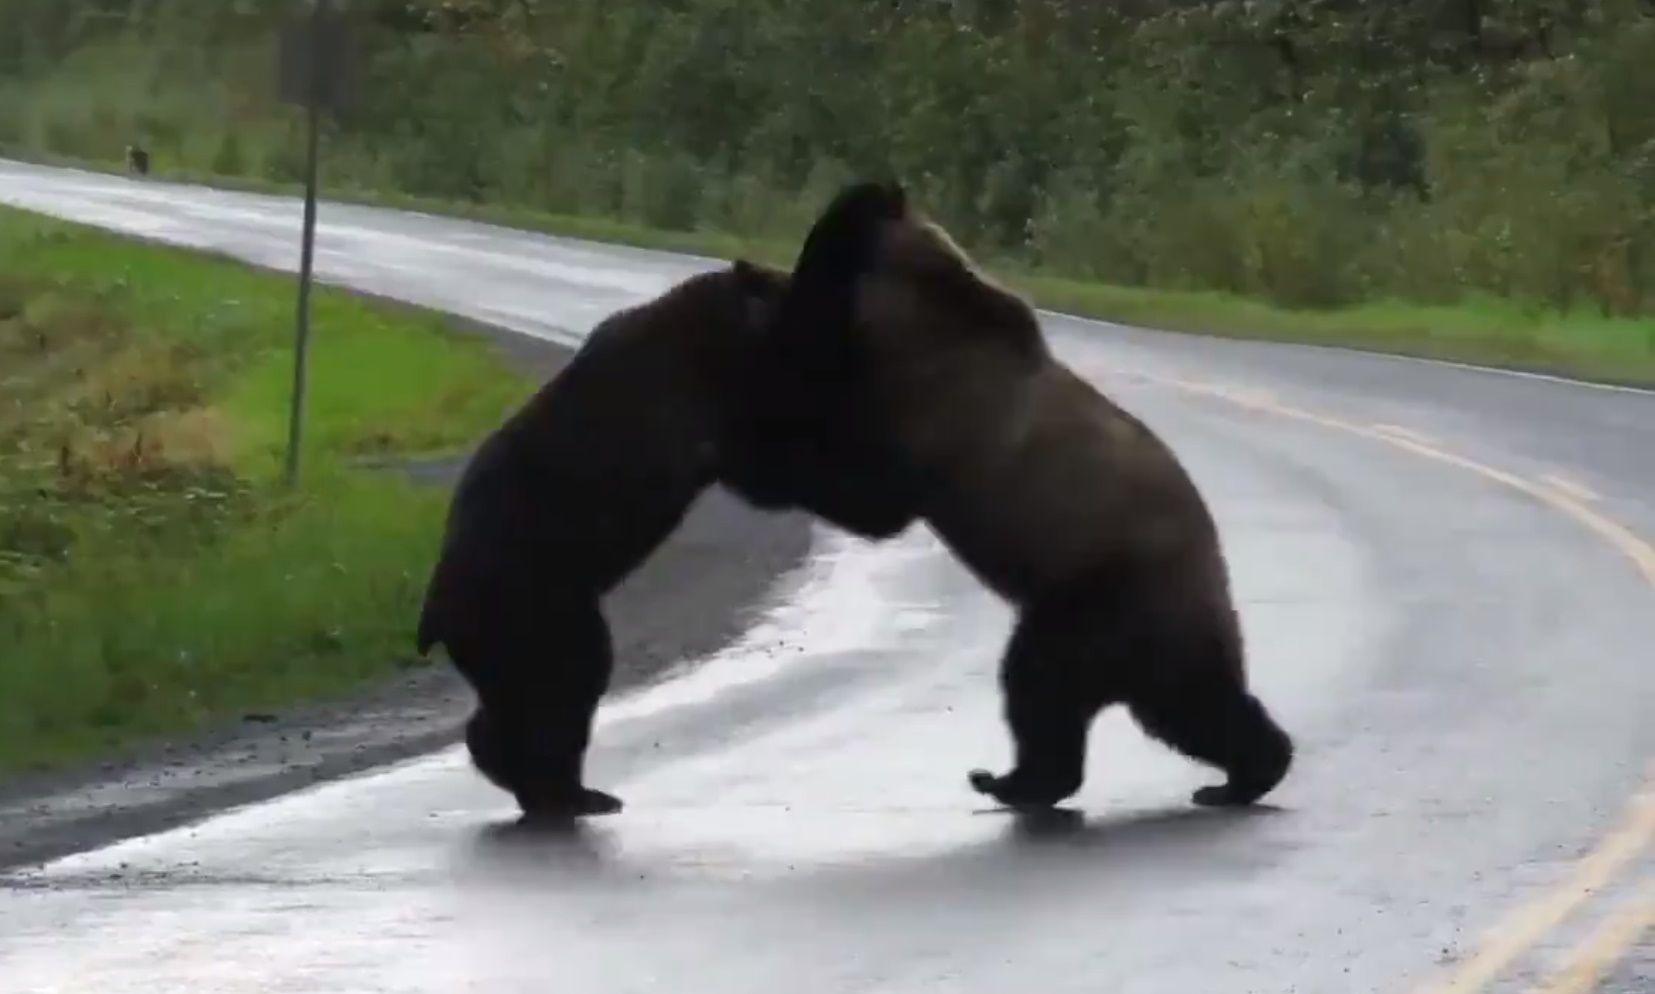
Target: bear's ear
{"points": [[869, 200], [843, 244]]}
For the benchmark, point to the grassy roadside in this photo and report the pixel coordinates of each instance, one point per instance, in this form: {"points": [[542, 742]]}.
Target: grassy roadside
{"points": [[154, 576], [1489, 332]]}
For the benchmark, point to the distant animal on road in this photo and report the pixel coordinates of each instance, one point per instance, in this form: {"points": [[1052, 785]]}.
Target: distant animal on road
{"points": [[575, 490], [137, 160], [1067, 506]]}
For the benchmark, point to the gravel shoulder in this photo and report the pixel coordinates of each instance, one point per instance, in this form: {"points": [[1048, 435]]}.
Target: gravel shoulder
{"points": [[696, 594]]}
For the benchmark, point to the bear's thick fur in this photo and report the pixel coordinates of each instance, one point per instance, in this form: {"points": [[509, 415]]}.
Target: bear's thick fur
{"points": [[1067, 506], [575, 490]]}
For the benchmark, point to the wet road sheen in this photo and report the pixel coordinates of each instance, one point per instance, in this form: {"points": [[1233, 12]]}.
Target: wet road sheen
{"points": [[1466, 669]]}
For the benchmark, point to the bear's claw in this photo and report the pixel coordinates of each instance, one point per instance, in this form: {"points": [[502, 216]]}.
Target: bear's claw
{"points": [[1015, 791], [583, 804]]}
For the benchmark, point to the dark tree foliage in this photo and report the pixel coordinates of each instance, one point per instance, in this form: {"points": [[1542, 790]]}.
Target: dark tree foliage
{"points": [[1310, 151]]}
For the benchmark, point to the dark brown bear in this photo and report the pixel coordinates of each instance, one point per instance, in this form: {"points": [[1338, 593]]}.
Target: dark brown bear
{"points": [[1064, 504], [578, 487]]}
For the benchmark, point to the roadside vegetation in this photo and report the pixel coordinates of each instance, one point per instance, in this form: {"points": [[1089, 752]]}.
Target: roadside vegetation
{"points": [[1468, 179], [155, 575]]}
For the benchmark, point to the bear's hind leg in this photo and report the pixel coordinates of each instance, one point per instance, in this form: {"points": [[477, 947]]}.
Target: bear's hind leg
{"points": [[539, 696], [1214, 719], [1049, 716], [545, 782]]}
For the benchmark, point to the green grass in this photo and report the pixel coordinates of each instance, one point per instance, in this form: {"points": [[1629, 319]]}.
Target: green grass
{"points": [[154, 574], [1490, 332], [1486, 331]]}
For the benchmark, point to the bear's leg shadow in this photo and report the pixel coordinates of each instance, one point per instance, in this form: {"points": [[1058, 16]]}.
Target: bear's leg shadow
{"points": [[539, 694], [1207, 713], [1049, 706]]}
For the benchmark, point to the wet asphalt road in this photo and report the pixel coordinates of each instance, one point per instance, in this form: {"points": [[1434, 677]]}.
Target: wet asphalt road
{"points": [[1440, 580]]}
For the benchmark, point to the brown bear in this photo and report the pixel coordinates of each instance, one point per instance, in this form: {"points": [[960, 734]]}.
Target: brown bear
{"points": [[1065, 505], [574, 491]]}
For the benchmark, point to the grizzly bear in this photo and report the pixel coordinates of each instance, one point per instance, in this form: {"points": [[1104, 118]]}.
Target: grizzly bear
{"points": [[1065, 505], [575, 490]]}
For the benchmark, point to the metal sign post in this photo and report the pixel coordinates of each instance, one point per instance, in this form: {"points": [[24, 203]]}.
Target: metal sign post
{"points": [[313, 66]]}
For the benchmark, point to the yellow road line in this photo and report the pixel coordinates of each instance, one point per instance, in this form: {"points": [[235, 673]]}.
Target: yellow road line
{"points": [[1526, 925], [1407, 434], [1574, 488], [1640, 552], [1529, 923], [1588, 962]]}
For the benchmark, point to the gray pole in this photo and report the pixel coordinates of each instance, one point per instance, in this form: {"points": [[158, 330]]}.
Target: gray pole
{"points": [[307, 249]]}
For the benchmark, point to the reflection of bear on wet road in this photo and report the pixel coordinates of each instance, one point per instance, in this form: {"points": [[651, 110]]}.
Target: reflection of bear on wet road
{"points": [[573, 493], [1064, 504]]}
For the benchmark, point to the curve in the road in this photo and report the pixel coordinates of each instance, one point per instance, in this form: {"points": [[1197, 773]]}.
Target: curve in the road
{"points": [[1527, 924]]}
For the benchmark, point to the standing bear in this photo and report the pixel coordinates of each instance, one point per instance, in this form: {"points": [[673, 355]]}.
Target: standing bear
{"points": [[575, 490], [1065, 505]]}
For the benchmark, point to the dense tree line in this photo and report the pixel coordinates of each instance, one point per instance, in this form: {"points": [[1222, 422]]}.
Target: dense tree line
{"points": [[1312, 152]]}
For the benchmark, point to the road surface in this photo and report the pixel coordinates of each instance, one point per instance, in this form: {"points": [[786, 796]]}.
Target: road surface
{"points": [[1446, 599]]}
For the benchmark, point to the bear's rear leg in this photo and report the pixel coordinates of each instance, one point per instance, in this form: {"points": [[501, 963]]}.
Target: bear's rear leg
{"points": [[1213, 719], [539, 677], [1049, 717]]}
